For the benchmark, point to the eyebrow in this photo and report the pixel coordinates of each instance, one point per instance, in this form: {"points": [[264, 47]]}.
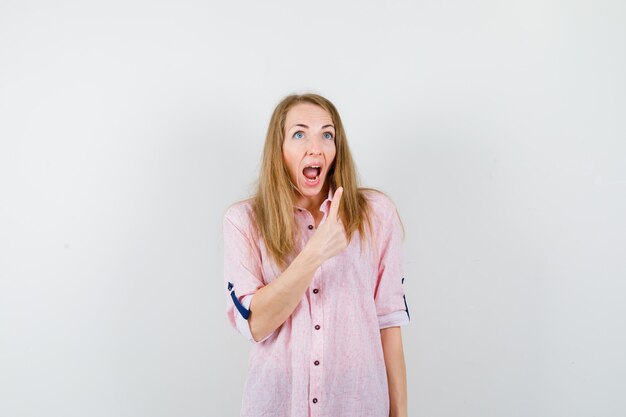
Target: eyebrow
{"points": [[306, 127]]}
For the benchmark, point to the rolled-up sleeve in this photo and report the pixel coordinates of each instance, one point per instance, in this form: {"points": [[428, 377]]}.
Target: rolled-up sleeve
{"points": [[390, 298], [242, 269]]}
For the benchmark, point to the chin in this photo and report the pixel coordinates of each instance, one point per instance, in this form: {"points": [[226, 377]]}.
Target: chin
{"points": [[311, 191]]}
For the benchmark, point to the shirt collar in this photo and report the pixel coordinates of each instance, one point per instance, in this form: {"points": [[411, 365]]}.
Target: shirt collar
{"points": [[324, 203], [328, 199]]}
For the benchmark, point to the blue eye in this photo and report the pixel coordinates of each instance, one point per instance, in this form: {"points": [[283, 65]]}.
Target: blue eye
{"points": [[328, 135], [298, 135]]}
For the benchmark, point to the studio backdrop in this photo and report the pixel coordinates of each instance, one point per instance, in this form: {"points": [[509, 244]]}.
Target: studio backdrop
{"points": [[127, 128]]}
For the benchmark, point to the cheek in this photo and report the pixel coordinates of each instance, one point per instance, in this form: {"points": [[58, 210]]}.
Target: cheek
{"points": [[332, 151], [289, 161]]}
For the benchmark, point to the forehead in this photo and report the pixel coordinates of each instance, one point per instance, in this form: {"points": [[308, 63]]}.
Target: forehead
{"points": [[308, 114]]}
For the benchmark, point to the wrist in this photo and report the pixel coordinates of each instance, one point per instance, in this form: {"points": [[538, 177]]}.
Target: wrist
{"points": [[398, 413], [309, 258]]}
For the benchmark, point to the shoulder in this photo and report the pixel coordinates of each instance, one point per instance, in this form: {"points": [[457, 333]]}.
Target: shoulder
{"points": [[379, 203], [241, 213], [383, 213]]}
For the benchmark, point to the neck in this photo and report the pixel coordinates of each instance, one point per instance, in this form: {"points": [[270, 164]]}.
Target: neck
{"points": [[313, 203]]}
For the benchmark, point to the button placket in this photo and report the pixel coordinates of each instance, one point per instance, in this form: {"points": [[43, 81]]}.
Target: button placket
{"points": [[304, 222], [317, 341], [305, 219]]}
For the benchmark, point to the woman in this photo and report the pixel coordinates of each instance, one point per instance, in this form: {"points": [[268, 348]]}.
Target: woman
{"points": [[313, 267]]}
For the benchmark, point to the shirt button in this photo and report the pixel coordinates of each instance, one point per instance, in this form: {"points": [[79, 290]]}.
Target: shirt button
{"points": [[310, 226], [315, 291], [314, 400], [316, 363], [317, 327]]}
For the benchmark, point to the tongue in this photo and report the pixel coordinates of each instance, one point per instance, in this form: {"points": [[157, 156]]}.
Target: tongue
{"points": [[310, 173]]}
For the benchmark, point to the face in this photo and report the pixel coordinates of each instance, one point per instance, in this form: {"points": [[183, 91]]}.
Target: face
{"points": [[309, 150]]}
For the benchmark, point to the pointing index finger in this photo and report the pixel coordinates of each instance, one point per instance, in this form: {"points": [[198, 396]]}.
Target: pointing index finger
{"points": [[334, 205]]}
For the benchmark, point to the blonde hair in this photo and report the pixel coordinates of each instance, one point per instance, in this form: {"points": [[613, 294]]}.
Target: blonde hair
{"points": [[276, 193]]}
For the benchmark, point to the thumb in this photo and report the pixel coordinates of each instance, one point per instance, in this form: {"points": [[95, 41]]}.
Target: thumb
{"points": [[334, 205]]}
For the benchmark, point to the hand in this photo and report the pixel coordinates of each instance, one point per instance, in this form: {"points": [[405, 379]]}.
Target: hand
{"points": [[330, 237]]}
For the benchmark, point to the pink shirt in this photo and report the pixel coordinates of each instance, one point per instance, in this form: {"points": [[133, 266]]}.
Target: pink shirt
{"points": [[326, 360]]}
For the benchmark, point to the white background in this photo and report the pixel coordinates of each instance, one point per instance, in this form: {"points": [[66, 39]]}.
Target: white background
{"points": [[128, 127]]}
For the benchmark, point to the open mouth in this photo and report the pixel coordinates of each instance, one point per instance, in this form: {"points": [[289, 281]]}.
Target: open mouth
{"points": [[312, 173]]}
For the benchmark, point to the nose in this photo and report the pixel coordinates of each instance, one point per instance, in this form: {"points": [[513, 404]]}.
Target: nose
{"points": [[315, 147]]}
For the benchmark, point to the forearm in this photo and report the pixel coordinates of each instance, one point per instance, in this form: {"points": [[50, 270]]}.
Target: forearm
{"points": [[274, 303], [393, 352]]}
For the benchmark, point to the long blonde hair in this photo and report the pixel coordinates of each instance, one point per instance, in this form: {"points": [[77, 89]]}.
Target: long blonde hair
{"points": [[275, 195]]}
